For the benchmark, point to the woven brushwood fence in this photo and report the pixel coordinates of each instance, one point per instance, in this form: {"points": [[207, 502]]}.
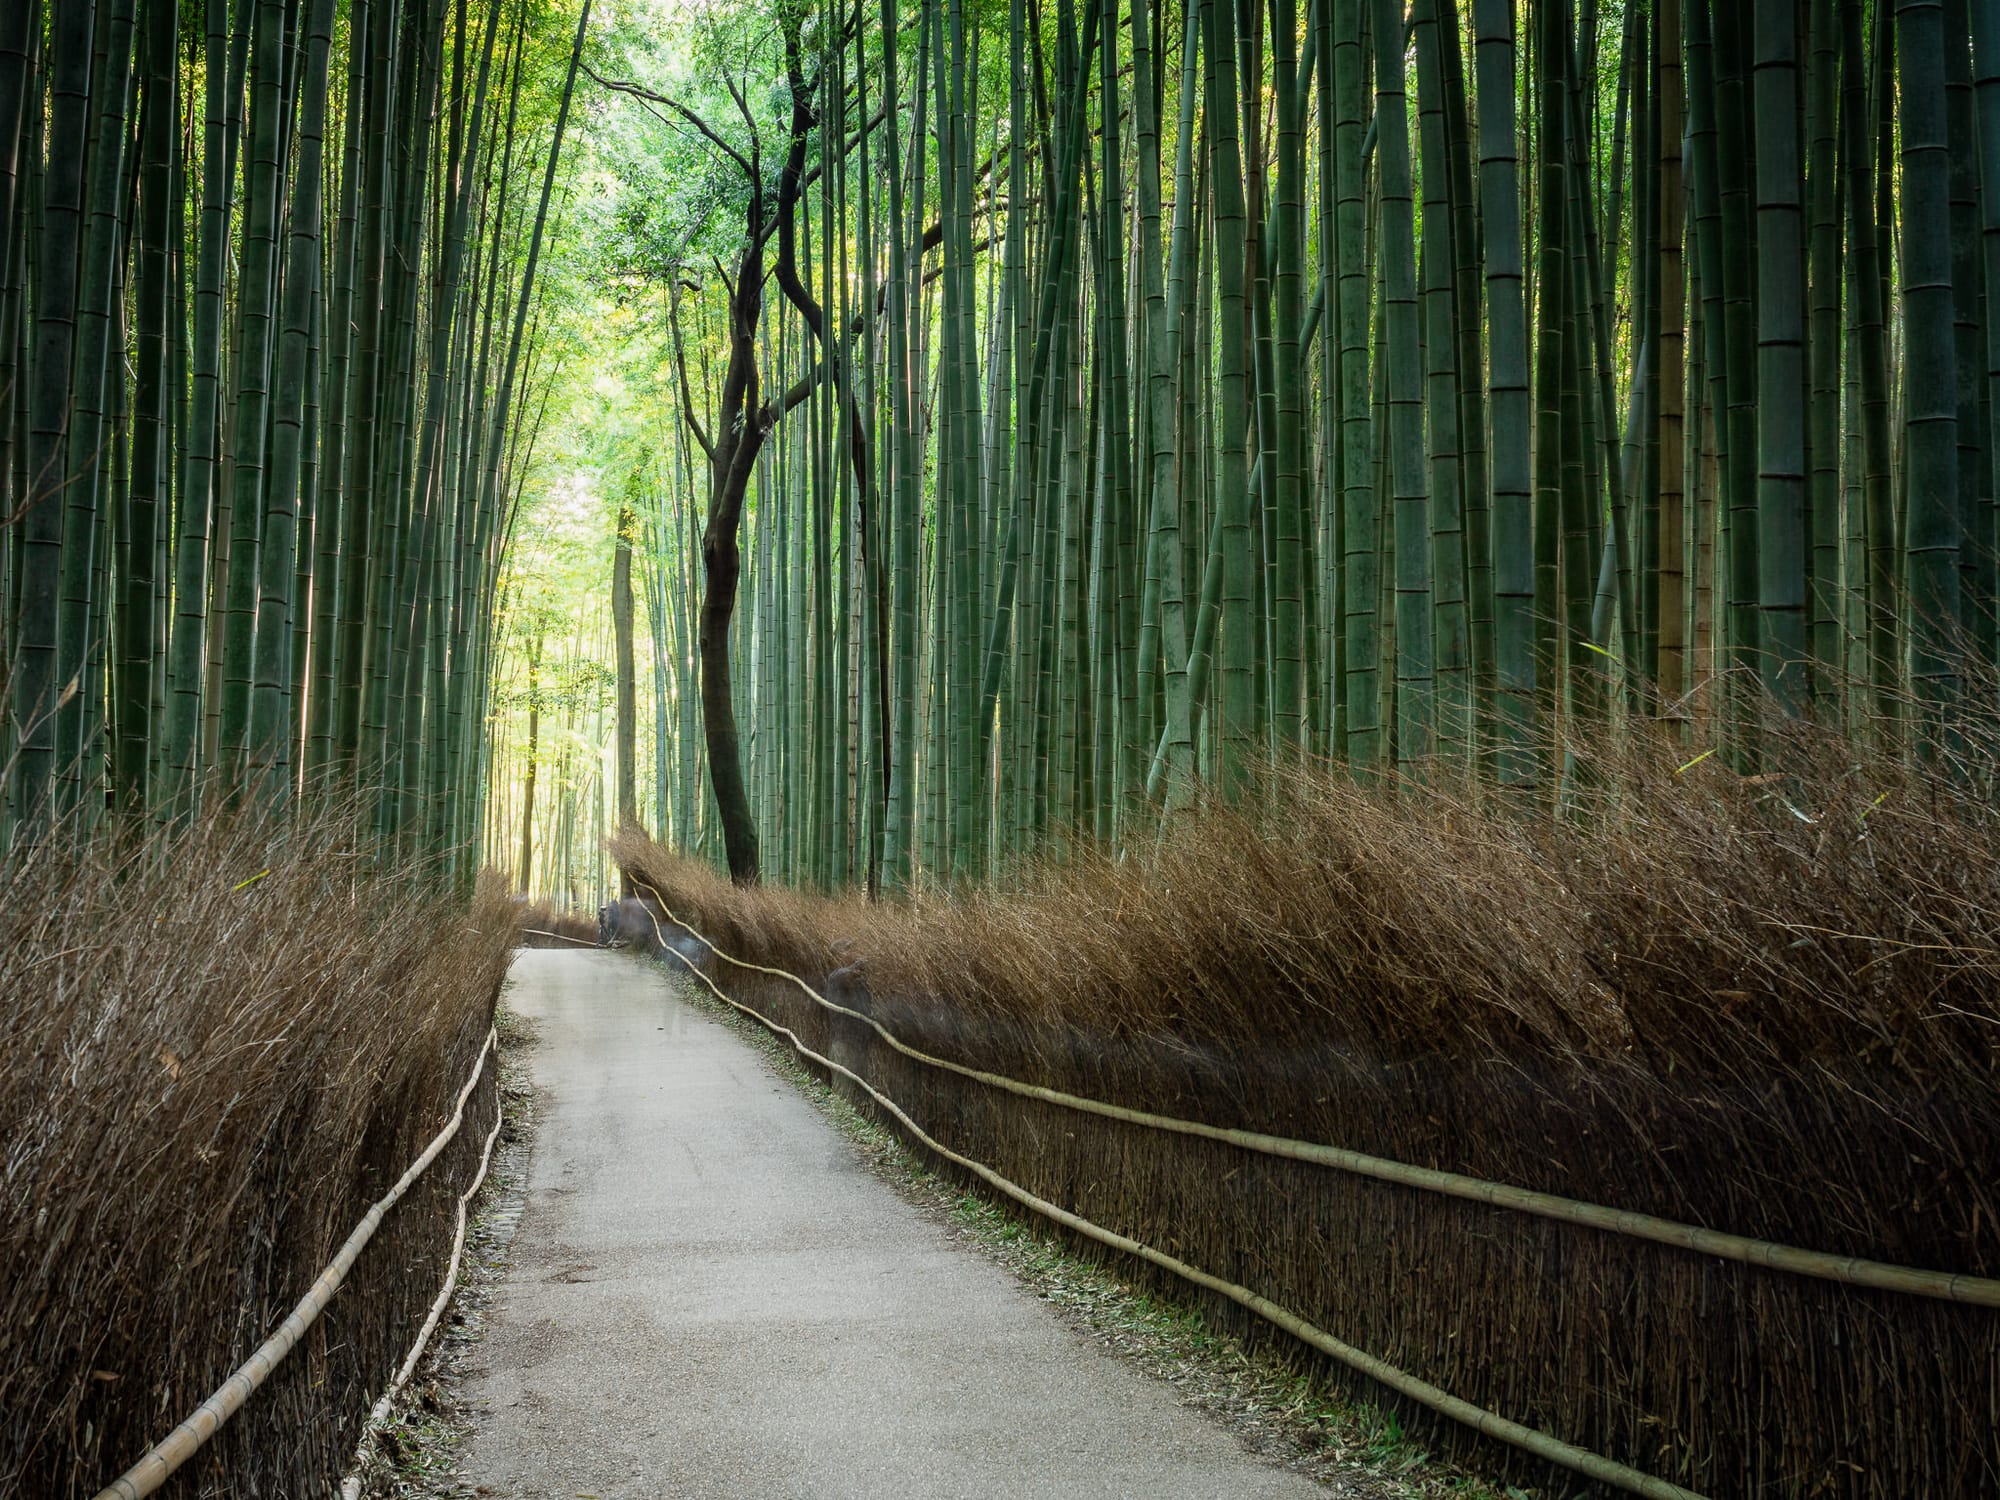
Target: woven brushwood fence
{"points": [[1721, 1376], [196, 1118], [300, 1428]]}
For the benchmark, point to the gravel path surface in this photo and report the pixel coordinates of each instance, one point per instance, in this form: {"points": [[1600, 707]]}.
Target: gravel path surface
{"points": [[710, 1296]]}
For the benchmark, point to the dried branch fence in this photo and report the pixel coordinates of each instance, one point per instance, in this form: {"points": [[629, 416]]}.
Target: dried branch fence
{"points": [[1715, 1363], [227, 1045], [166, 1457]]}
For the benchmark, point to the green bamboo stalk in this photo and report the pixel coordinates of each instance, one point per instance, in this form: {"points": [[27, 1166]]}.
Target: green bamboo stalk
{"points": [[270, 731], [37, 686], [1361, 690], [1734, 124], [1823, 433], [150, 493], [1285, 250], [1416, 693], [364, 433], [1555, 398], [1669, 412], [258, 292], [1167, 340], [86, 515], [1333, 679], [1781, 385], [1118, 666], [1029, 447], [1930, 402], [1468, 317], [1975, 495], [1236, 702], [1985, 28], [898, 848], [957, 122], [1450, 624]]}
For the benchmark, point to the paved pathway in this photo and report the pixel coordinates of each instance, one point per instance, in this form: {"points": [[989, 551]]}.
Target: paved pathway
{"points": [[710, 1297]]}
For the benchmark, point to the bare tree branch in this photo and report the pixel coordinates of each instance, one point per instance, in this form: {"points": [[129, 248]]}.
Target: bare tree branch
{"points": [[687, 394], [743, 108], [618, 86]]}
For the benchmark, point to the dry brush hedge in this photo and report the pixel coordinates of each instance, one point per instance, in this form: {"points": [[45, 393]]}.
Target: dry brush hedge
{"points": [[223, 1045], [546, 925], [1768, 1007]]}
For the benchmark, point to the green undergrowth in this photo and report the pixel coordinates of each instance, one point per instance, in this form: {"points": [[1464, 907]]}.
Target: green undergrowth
{"points": [[1282, 1412]]}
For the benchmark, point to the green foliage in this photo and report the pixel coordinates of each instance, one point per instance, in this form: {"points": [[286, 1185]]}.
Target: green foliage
{"points": [[1063, 455]]}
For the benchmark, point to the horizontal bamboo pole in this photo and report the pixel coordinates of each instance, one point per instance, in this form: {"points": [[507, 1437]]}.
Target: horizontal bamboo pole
{"points": [[350, 1487], [178, 1446], [1490, 1424], [561, 937], [1944, 1286]]}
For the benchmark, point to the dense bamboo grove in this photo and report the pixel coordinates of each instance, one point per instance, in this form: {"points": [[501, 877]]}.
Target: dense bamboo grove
{"points": [[1059, 406], [267, 271]]}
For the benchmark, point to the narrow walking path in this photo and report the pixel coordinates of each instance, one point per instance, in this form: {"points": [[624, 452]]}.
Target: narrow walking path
{"points": [[711, 1297]]}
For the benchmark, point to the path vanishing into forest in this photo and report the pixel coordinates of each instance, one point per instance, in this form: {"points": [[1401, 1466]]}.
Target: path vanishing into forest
{"points": [[709, 1295]]}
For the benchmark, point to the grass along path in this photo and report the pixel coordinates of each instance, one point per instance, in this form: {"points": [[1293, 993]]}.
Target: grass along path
{"points": [[416, 1450]]}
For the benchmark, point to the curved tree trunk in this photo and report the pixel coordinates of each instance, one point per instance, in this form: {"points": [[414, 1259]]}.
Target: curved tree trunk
{"points": [[722, 565]]}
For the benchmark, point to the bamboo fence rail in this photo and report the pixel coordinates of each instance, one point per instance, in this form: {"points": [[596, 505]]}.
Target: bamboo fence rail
{"points": [[1977, 1291], [350, 1487], [178, 1446], [561, 937], [1488, 1423]]}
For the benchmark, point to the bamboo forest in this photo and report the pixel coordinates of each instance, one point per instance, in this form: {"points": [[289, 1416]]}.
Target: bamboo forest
{"points": [[1339, 657], [1038, 421], [1012, 431]]}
